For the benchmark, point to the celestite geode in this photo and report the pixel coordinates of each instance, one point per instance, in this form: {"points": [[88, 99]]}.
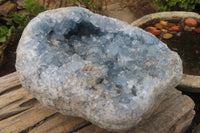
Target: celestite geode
{"points": [[95, 67]]}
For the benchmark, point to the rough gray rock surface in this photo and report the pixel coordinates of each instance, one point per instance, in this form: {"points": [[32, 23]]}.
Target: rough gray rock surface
{"points": [[98, 68]]}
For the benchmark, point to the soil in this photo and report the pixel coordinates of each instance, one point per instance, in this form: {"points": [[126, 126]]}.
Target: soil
{"points": [[186, 45], [10, 56]]}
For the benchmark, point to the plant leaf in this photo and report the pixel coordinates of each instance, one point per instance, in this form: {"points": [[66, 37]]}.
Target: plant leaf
{"points": [[3, 39]]}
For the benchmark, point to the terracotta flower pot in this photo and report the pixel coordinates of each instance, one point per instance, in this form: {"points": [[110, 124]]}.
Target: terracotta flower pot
{"points": [[190, 83]]}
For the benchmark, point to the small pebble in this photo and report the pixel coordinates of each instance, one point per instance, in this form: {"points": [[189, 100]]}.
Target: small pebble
{"points": [[191, 22], [173, 32], [164, 31], [187, 28], [175, 49], [197, 30], [156, 32], [164, 23], [175, 28], [178, 34], [150, 28], [159, 26], [170, 25], [167, 36]]}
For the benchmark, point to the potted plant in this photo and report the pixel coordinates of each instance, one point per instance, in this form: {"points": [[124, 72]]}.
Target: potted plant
{"points": [[181, 32]]}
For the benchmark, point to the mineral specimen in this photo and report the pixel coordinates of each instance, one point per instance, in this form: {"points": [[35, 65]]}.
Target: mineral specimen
{"points": [[95, 67]]}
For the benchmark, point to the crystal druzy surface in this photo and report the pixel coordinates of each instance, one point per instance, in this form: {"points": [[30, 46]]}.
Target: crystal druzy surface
{"points": [[95, 67]]}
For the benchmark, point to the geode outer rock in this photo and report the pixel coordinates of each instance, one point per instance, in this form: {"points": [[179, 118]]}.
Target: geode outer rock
{"points": [[98, 68]]}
